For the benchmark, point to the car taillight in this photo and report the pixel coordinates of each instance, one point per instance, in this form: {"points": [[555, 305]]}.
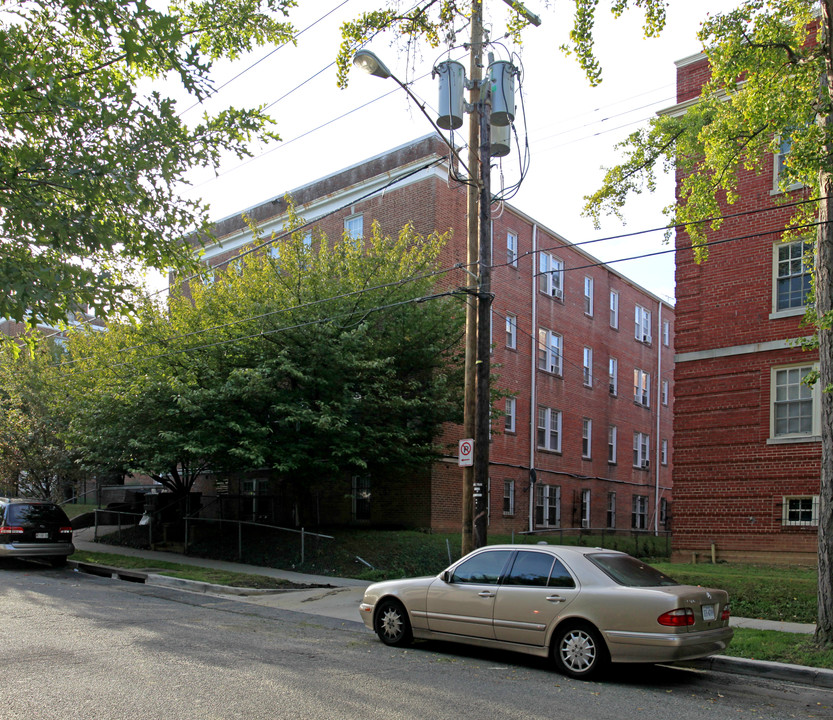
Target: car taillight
{"points": [[677, 618], [11, 530], [726, 612], [66, 531]]}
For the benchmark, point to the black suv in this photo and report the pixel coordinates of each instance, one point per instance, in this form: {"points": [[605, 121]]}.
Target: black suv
{"points": [[35, 529]]}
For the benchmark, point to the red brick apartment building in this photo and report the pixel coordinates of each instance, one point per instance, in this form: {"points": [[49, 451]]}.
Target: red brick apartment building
{"points": [[587, 353], [746, 431]]}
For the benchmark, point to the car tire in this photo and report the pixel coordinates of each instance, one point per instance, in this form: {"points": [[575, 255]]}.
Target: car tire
{"points": [[58, 561], [392, 625], [578, 650]]}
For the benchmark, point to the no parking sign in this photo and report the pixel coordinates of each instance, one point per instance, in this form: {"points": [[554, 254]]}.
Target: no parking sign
{"points": [[465, 453]]}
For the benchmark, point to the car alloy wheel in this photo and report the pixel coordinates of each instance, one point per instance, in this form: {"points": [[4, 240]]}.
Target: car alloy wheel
{"points": [[392, 624], [579, 651]]}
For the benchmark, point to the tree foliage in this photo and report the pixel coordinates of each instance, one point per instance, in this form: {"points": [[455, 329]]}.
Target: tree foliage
{"points": [[315, 360], [34, 459], [434, 22], [89, 162], [771, 76]]}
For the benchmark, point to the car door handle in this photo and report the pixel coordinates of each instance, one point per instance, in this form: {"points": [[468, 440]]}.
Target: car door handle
{"points": [[555, 598], [486, 593]]}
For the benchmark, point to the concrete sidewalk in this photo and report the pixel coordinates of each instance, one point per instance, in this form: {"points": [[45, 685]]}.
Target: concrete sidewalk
{"points": [[339, 598]]}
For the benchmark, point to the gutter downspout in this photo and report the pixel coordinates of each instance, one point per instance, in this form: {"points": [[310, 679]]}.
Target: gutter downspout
{"points": [[659, 415], [533, 379]]}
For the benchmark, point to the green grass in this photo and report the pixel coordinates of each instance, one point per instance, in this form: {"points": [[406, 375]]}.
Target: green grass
{"points": [[785, 593], [187, 572], [780, 647], [75, 509]]}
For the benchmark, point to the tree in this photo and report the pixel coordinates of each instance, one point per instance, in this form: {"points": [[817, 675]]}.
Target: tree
{"points": [[772, 70], [316, 360], [89, 163], [34, 460]]}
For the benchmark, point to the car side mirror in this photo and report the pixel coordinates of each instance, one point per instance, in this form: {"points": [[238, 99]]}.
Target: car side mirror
{"points": [[445, 576]]}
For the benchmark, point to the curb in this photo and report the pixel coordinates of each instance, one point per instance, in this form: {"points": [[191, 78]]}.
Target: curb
{"points": [[816, 677], [137, 576]]}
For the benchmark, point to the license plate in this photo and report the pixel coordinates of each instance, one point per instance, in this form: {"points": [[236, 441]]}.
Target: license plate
{"points": [[708, 612], [41, 536]]}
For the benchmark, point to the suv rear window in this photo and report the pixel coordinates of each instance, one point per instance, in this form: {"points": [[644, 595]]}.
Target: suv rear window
{"points": [[25, 513], [629, 571]]}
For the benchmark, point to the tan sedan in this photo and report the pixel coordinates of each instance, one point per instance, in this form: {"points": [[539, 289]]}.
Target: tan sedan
{"points": [[584, 606]]}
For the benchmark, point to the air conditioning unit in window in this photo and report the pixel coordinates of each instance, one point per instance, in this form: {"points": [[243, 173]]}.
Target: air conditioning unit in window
{"points": [[612, 389], [646, 338], [645, 464]]}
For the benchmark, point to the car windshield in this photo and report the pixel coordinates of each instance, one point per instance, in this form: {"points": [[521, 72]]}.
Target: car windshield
{"points": [[629, 571], [23, 513]]}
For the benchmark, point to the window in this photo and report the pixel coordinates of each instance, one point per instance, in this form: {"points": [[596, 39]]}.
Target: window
{"points": [[484, 568], [585, 508], [642, 324], [665, 392], [551, 276], [800, 510], [641, 388], [614, 309], [639, 512], [666, 333], [509, 418], [508, 497], [531, 569], [796, 408], [354, 227], [663, 456], [793, 270], [549, 429], [663, 512], [549, 351], [511, 332], [547, 505], [361, 497], [780, 168], [274, 251], [641, 448], [588, 367], [586, 438], [209, 277], [612, 433], [611, 510], [512, 249], [588, 296], [613, 369]]}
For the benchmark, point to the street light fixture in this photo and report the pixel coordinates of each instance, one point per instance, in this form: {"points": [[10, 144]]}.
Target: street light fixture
{"points": [[370, 63]]}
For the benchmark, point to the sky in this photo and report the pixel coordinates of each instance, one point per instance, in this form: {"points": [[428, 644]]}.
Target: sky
{"points": [[572, 128]]}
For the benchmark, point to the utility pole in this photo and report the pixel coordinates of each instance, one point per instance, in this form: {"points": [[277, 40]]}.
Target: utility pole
{"points": [[472, 259]]}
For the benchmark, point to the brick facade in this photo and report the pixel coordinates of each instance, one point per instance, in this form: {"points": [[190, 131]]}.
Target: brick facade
{"points": [[732, 472], [428, 200]]}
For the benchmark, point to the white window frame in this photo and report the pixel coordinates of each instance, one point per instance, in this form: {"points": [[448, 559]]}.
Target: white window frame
{"points": [[512, 332], [612, 439], [614, 309], [588, 296], [551, 276], [663, 455], [780, 392], [664, 392], [508, 497], [613, 372], [666, 333], [641, 387], [796, 513], [639, 512], [584, 509], [611, 510], [550, 351], [510, 417], [778, 264], [547, 505], [642, 324], [512, 249], [587, 367], [549, 429], [352, 223], [586, 438], [641, 450]]}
